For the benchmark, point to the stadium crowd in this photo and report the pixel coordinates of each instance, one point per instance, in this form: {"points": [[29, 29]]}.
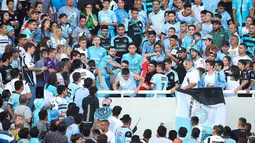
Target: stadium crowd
{"points": [[56, 55]]}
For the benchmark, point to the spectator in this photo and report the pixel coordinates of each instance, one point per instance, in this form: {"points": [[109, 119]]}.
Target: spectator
{"points": [[216, 134], [70, 113], [226, 135], [5, 133], [57, 136], [210, 47], [74, 128], [24, 110], [156, 17], [6, 68], [105, 130], [56, 38], [81, 30], [240, 132], [23, 134], [115, 122], [148, 45], [194, 136], [124, 133], [195, 124], [187, 14], [3, 37], [161, 136], [218, 32], [102, 138], [60, 103], [34, 134], [226, 19], [51, 85], [233, 79], [182, 133], [92, 22], [242, 48], [42, 125], [179, 68], [32, 26], [199, 62], [223, 52], [172, 135], [13, 102], [121, 14], [248, 40], [245, 29], [192, 77], [207, 26]]}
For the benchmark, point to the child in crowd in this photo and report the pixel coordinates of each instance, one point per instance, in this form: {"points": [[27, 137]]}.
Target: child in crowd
{"points": [[66, 27]]}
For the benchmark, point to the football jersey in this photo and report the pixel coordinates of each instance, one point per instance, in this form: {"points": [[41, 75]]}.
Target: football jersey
{"points": [[72, 88], [160, 82], [96, 54], [123, 135]]}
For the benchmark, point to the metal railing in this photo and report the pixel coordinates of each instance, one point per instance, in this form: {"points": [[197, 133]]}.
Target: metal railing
{"points": [[156, 92]]}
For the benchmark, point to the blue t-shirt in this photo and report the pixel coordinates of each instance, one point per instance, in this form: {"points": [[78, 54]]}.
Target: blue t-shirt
{"points": [[72, 88], [245, 6], [107, 16], [72, 130], [73, 15], [51, 88], [36, 117], [120, 15], [34, 140], [14, 101], [96, 54], [135, 62], [189, 141], [229, 140], [166, 27], [28, 33], [104, 63], [160, 82], [123, 135]]}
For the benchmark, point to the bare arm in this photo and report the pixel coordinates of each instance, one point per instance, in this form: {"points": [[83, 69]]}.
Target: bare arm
{"points": [[189, 86], [9, 109], [234, 16], [99, 73], [251, 12], [94, 20], [176, 60], [115, 83], [241, 86], [114, 64]]}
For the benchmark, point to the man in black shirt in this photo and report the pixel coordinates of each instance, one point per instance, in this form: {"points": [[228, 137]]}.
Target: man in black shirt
{"points": [[240, 132], [173, 79], [179, 68], [6, 68], [105, 41]]}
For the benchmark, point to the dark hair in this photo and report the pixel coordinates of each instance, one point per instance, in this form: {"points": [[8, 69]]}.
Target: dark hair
{"points": [[167, 60], [30, 21], [88, 82], [61, 127], [76, 76], [134, 9], [102, 138], [248, 125], [18, 84], [43, 26], [6, 124], [43, 114], [6, 93], [121, 25], [62, 15], [93, 90], [243, 44], [14, 72], [220, 63], [242, 61], [51, 50], [125, 71], [218, 129], [195, 133], [116, 110], [187, 5], [5, 57], [74, 53], [243, 121], [3, 115], [161, 131], [197, 34], [192, 26], [34, 132], [172, 12], [152, 33], [104, 27], [75, 137], [182, 132], [218, 15], [125, 61], [210, 62], [210, 13], [52, 80], [161, 65], [203, 12], [92, 63], [61, 89], [174, 37], [147, 134], [227, 131], [20, 36], [1, 101], [78, 118], [72, 110], [23, 133], [172, 29], [8, 1], [172, 135], [195, 120], [28, 46], [228, 58], [222, 4], [235, 72], [183, 22]]}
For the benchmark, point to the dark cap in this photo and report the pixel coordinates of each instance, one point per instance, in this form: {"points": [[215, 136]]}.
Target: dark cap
{"points": [[217, 22], [126, 118], [60, 66], [154, 63], [14, 50], [226, 43], [181, 50]]}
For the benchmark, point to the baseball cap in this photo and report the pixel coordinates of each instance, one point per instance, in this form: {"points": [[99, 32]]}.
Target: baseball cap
{"points": [[216, 21], [106, 102], [9, 28], [207, 37], [181, 50], [60, 66], [195, 48]]}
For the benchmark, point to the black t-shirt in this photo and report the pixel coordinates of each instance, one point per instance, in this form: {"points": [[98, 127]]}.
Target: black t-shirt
{"points": [[105, 43], [121, 44], [180, 69], [5, 72], [171, 80], [238, 133], [246, 75], [90, 103]]}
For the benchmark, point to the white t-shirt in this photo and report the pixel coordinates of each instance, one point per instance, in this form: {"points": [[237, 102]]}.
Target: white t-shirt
{"points": [[110, 137], [60, 104], [160, 140], [60, 79], [4, 5], [233, 53], [158, 21], [10, 86], [24, 111], [236, 59], [4, 40], [209, 80], [199, 63], [84, 74], [191, 77], [232, 84], [22, 50], [29, 62], [114, 124]]}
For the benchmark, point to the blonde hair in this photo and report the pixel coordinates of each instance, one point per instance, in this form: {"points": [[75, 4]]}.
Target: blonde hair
{"points": [[94, 126], [55, 34]]}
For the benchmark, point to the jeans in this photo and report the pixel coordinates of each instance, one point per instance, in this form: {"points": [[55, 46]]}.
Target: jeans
{"points": [[33, 92]]}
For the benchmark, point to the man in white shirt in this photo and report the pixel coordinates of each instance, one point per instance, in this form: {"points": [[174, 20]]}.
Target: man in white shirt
{"points": [[60, 102], [161, 136], [192, 77], [242, 54], [216, 135], [15, 74], [78, 67], [115, 122], [157, 17], [29, 69], [104, 126], [199, 62]]}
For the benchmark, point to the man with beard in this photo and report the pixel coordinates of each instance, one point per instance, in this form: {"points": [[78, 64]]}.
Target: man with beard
{"points": [[172, 23], [219, 35]]}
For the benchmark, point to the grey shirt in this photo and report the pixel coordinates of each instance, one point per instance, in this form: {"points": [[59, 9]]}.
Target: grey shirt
{"points": [[42, 127], [24, 111]]}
